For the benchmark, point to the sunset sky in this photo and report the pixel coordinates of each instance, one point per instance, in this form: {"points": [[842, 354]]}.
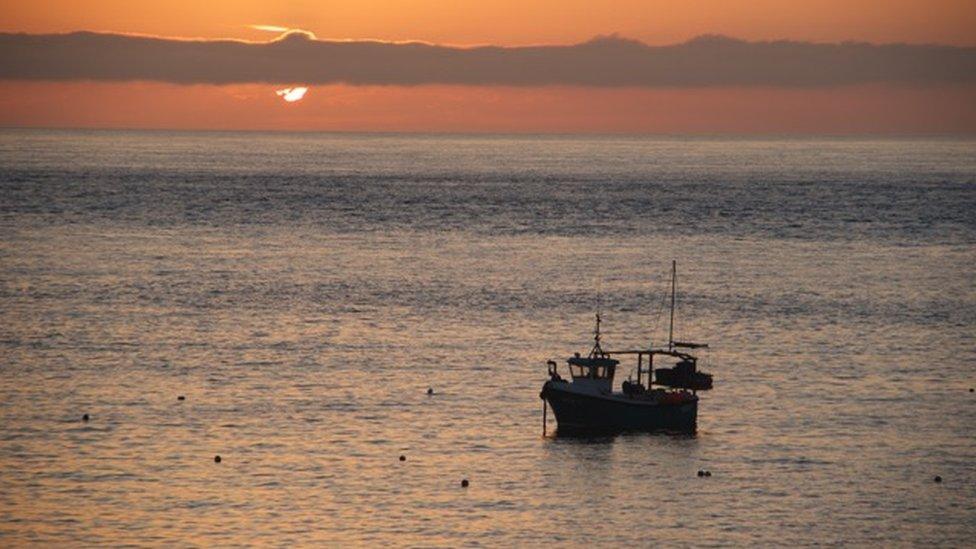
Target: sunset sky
{"points": [[766, 96]]}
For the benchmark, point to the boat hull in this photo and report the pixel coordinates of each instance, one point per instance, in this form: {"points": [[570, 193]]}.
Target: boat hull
{"points": [[578, 412]]}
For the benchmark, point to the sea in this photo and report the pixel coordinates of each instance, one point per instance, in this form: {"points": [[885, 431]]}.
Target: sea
{"points": [[302, 292]]}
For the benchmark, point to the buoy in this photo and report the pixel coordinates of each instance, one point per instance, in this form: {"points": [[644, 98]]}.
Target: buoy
{"points": [[403, 457], [708, 473], [464, 483], [216, 459], [701, 473], [181, 397], [430, 391], [937, 478], [971, 389], [84, 417]]}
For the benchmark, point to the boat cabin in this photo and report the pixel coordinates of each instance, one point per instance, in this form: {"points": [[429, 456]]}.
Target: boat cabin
{"points": [[593, 371]]}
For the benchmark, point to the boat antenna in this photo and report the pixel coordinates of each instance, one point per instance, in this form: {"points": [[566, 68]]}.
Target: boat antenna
{"points": [[674, 284], [596, 333], [597, 350]]}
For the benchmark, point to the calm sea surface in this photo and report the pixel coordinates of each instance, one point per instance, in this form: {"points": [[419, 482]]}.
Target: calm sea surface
{"points": [[304, 291]]}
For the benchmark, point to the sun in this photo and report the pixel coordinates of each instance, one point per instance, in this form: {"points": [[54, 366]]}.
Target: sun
{"points": [[292, 94]]}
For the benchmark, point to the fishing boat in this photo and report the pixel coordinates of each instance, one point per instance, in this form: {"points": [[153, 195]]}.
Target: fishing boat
{"points": [[660, 399]]}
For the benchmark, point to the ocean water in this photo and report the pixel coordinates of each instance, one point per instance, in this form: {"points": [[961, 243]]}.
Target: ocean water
{"points": [[303, 291]]}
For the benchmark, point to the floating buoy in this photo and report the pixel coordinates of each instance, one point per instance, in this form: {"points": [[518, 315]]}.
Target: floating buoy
{"points": [[403, 457], [701, 473], [464, 483], [84, 417], [937, 478], [708, 473], [430, 391], [971, 389], [181, 397], [216, 459]]}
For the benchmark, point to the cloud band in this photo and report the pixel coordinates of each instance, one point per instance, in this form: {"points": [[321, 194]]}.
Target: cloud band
{"points": [[609, 61]]}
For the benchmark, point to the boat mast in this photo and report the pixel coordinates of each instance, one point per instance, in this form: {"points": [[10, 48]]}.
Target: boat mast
{"points": [[674, 283], [597, 350], [599, 309]]}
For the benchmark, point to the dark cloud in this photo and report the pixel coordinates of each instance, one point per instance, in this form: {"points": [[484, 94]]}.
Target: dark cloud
{"points": [[604, 61]]}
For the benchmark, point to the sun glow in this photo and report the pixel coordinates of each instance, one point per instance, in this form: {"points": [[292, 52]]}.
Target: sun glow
{"points": [[269, 28], [292, 94]]}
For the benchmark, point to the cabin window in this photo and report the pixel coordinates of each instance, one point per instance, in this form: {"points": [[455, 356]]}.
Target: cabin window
{"points": [[591, 372]]}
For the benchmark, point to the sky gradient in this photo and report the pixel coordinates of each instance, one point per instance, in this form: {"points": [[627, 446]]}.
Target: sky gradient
{"points": [[791, 67]]}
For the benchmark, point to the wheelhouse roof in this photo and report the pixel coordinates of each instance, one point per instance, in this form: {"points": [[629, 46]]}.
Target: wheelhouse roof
{"points": [[592, 362], [666, 352]]}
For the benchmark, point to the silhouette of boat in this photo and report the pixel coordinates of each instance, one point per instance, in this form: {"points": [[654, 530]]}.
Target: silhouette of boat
{"points": [[667, 402]]}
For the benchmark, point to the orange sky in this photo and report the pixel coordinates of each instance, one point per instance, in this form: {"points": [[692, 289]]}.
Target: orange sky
{"points": [[848, 109], [508, 22]]}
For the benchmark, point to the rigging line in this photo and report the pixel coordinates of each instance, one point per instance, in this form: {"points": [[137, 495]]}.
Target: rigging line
{"points": [[662, 307], [599, 307], [674, 290]]}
